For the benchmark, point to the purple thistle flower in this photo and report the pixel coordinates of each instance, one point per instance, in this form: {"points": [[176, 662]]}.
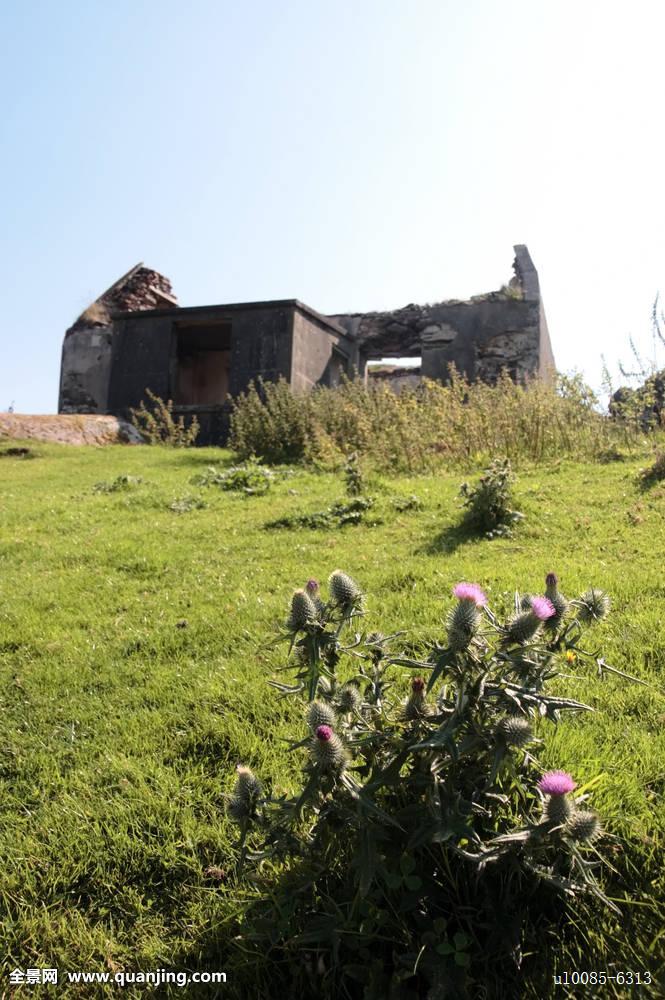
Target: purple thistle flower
{"points": [[556, 783], [542, 608], [312, 587], [470, 592], [417, 684], [324, 733]]}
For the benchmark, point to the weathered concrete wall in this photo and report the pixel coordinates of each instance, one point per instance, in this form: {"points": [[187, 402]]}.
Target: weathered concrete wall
{"points": [[142, 359], [260, 344], [320, 351]]}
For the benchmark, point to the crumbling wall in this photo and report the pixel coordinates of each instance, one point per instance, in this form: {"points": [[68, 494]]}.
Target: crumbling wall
{"points": [[502, 330], [87, 351]]}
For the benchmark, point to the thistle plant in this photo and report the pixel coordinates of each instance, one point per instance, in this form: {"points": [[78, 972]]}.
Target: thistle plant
{"points": [[488, 503], [524, 626], [302, 611], [320, 713], [464, 619], [514, 731], [416, 706], [556, 786], [422, 803], [328, 752], [593, 606], [349, 699], [353, 476], [557, 600]]}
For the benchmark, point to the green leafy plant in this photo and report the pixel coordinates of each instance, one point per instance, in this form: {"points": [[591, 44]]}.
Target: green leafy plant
{"points": [[336, 516], [250, 477], [157, 424], [425, 850], [121, 484], [183, 505], [488, 503], [403, 504]]}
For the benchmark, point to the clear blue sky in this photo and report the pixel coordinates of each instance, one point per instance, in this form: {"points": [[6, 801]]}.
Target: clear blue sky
{"points": [[355, 154]]}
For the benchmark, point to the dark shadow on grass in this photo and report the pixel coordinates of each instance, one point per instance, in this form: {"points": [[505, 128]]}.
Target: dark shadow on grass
{"points": [[451, 538]]}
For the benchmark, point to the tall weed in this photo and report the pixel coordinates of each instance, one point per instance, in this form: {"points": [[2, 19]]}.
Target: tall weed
{"points": [[422, 429]]}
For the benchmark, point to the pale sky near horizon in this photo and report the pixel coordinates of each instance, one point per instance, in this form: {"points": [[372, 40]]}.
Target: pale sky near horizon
{"points": [[361, 154]]}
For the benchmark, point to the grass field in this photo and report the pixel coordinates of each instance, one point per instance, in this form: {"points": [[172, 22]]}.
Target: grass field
{"points": [[132, 681]]}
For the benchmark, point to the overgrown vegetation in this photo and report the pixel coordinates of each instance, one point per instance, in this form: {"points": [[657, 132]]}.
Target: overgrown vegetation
{"points": [[157, 425], [488, 503], [421, 823], [433, 426]]}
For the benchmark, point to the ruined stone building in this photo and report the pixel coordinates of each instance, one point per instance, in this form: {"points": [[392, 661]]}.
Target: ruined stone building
{"points": [[136, 337]]}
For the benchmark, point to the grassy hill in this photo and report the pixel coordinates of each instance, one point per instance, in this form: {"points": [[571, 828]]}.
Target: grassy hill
{"points": [[133, 674]]}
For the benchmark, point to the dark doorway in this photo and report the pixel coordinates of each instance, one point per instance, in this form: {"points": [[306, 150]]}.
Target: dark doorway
{"points": [[203, 364]]}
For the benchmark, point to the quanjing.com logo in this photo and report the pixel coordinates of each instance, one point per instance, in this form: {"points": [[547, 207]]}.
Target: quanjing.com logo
{"points": [[157, 977]]}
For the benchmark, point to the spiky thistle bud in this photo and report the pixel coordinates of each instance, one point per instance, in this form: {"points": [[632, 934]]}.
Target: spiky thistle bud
{"points": [[303, 611], [242, 802], [557, 600], [328, 752], [345, 592], [514, 731], [555, 786], [583, 825], [593, 605], [524, 626], [464, 619], [320, 713], [312, 588], [349, 699], [415, 706]]}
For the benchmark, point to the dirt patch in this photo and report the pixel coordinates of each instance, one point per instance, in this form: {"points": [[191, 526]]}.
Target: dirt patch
{"points": [[78, 428]]}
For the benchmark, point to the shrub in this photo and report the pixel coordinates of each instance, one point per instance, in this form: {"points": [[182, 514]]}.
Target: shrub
{"points": [[271, 421], [424, 428], [487, 503], [425, 848], [157, 425]]}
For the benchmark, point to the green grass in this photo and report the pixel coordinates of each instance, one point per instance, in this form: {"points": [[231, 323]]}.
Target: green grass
{"points": [[132, 681]]}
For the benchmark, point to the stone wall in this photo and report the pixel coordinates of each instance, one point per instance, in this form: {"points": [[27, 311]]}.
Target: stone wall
{"points": [[481, 336]]}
